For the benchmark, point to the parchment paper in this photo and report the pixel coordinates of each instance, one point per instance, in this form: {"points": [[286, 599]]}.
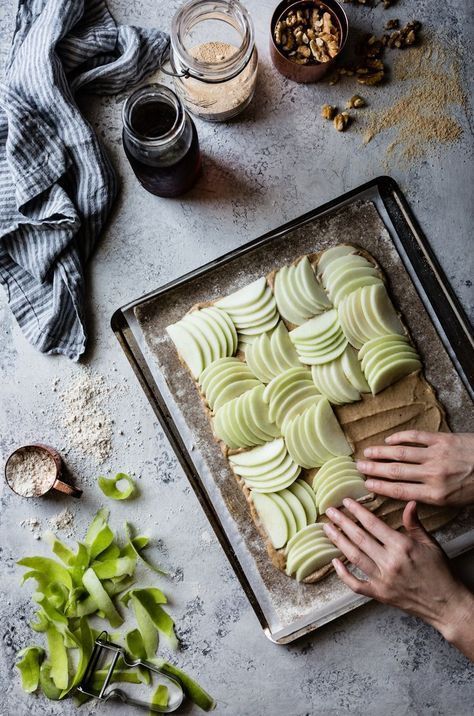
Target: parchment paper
{"points": [[358, 223]]}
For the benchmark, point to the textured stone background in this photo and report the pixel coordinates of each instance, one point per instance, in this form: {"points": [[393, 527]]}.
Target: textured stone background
{"points": [[269, 166]]}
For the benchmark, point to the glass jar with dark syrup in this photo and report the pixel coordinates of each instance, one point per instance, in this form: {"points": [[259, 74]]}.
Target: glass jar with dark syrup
{"points": [[160, 141]]}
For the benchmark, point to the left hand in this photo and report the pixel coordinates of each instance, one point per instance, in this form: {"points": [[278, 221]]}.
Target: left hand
{"points": [[409, 571]]}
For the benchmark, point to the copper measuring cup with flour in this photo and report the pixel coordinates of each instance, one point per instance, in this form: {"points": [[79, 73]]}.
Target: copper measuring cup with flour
{"points": [[34, 470]]}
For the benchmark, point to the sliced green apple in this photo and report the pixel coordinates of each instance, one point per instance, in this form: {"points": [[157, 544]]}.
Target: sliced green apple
{"points": [[318, 559], [353, 371], [263, 455], [329, 431], [309, 434], [273, 519], [285, 508], [188, 348], [245, 297], [314, 530], [390, 371], [315, 327], [307, 498], [335, 496], [332, 254], [296, 507], [380, 342]]}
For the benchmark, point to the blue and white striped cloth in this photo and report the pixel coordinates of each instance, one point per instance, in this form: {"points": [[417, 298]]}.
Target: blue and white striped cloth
{"points": [[56, 183]]}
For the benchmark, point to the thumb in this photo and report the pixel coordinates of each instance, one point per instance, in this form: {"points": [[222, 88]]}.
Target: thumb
{"points": [[412, 524]]}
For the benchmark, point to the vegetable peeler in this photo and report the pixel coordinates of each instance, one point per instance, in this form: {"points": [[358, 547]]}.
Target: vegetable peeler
{"points": [[107, 690]]}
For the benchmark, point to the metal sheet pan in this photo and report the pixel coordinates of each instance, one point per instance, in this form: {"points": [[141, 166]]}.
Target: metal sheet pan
{"points": [[377, 217]]}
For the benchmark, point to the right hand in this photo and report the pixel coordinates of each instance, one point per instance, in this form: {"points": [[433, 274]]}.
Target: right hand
{"points": [[438, 471]]}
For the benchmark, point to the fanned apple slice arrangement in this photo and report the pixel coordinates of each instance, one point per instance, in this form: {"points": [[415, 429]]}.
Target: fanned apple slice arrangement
{"points": [[269, 384]]}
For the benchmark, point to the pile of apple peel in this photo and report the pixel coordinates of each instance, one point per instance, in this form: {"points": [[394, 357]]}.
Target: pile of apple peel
{"points": [[80, 590], [308, 336]]}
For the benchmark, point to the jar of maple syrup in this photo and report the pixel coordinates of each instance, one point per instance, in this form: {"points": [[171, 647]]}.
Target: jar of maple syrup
{"points": [[160, 141]]}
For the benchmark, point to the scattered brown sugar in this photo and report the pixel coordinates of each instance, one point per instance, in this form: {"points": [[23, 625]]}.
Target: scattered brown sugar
{"points": [[421, 117]]}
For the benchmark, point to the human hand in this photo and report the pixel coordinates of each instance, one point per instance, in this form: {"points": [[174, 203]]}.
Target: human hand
{"points": [[409, 571], [440, 471]]}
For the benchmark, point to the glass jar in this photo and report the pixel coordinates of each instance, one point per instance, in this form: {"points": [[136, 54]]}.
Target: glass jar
{"points": [[214, 58], [160, 141]]}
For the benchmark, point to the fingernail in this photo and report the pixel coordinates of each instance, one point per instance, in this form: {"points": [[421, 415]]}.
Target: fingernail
{"points": [[331, 512], [329, 529], [361, 465], [347, 502], [370, 484], [335, 564], [368, 452]]}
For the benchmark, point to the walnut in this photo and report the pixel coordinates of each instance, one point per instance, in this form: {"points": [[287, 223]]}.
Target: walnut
{"points": [[341, 121], [371, 79], [355, 102], [328, 111], [309, 29]]}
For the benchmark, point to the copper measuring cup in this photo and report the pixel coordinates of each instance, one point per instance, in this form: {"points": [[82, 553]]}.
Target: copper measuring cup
{"points": [[55, 483]]}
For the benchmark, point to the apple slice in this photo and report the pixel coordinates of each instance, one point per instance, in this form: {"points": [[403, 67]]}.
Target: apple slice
{"points": [[314, 531], [328, 430], [344, 264], [309, 545], [333, 465], [233, 391], [308, 502], [309, 436], [290, 519], [353, 371], [280, 382], [315, 327], [273, 519], [386, 319], [259, 412], [296, 446], [221, 428], [212, 329], [274, 484], [307, 282], [188, 348], [227, 327], [319, 559], [373, 360], [263, 455], [244, 297], [255, 329], [306, 498], [380, 342], [284, 352], [331, 381], [206, 339], [216, 368], [333, 498], [331, 481], [332, 254], [392, 370], [296, 507], [283, 297]]}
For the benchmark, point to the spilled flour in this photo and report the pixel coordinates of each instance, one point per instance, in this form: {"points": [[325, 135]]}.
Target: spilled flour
{"points": [[422, 117], [85, 419]]}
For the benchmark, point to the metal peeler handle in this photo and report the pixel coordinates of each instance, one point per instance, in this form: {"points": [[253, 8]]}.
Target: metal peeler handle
{"points": [[86, 685]]}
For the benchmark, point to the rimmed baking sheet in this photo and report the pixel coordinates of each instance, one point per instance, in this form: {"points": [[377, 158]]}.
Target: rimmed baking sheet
{"points": [[377, 218]]}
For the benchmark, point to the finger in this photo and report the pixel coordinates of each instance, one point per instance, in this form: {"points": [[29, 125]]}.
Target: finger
{"points": [[357, 585], [372, 524], [392, 470], [412, 436], [398, 453], [400, 490], [413, 526], [348, 548], [365, 542]]}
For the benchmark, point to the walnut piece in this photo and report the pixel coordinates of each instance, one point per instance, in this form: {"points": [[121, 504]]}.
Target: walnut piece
{"points": [[356, 102], [341, 121], [328, 111], [307, 35]]}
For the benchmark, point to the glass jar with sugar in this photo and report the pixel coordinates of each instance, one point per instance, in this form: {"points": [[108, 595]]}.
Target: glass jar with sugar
{"points": [[214, 58]]}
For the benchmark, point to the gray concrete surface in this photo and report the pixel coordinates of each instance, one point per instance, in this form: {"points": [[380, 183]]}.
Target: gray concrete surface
{"points": [[277, 161]]}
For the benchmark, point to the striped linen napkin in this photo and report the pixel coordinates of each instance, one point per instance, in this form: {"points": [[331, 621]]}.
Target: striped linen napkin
{"points": [[56, 183]]}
